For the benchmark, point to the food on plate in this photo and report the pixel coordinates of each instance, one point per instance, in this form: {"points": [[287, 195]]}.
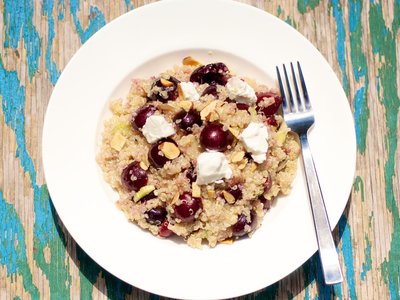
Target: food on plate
{"points": [[198, 152]]}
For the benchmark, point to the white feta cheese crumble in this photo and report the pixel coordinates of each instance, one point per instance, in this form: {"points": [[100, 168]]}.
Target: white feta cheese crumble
{"points": [[240, 91], [156, 127], [211, 167], [189, 91], [255, 140]]}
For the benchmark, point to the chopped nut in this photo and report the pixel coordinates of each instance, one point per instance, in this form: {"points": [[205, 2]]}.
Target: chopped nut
{"points": [[228, 197], [237, 156], [213, 116], [281, 134], [166, 107], [144, 191], [227, 241], [235, 131], [118, 141], [252, 111], [242, 165], [170, 150], [211, 193], [253, 167], [190, 61], [204, 114], [144, 165], [196, 192], [166, 82], [176, 197], [186, 105]]}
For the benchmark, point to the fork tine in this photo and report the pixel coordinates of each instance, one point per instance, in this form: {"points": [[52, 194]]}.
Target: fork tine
{"points": [[299, 102], [292, 107], [303, 86], [282, 89]]}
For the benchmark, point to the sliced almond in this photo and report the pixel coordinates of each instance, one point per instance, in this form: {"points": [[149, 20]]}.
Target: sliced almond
{"points": [[118, 141], [190, 61], [227, 241], [176, 197], [186, 105], [196, 191], [205, 112], [228, 197], [166, 82], [242, 165], [213, 116], [235, 131], [180, 92], [253, 167], [144, 165], [252, 111], [211, 193], [170, 150], [237, 156], [166, 107]]}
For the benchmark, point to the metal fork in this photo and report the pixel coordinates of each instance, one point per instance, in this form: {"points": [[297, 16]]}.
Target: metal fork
{"points": [[299, 117]]}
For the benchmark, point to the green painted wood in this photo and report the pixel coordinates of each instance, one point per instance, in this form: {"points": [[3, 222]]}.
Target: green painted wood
{"points": [[38, 258]]}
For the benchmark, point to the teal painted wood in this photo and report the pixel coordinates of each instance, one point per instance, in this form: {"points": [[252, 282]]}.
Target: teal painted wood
{"points": [[49, 236]]}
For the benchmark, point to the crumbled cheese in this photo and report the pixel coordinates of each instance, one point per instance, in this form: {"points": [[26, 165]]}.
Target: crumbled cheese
{"points": [[240, 91], [156, 127], [212, 166], [255, 140], [189, 91]]}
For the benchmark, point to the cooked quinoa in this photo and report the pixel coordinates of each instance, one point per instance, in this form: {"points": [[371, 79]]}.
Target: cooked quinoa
{"points": [[163, 196]]}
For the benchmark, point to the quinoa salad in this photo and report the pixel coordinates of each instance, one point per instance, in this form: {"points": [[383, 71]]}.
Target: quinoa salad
{"points": [[198, 152]]}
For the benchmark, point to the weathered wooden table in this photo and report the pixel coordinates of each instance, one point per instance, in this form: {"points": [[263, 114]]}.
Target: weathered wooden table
{"points": [[38, 258]]}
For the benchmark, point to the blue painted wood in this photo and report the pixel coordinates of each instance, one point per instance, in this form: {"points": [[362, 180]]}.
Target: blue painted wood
{"points": [[35, 37]]}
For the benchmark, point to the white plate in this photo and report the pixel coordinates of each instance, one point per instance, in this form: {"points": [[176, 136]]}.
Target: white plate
{"points": [[143, 43]]}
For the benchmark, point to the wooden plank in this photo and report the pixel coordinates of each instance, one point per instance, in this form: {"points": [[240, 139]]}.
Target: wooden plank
{"points": [[38, 258]]}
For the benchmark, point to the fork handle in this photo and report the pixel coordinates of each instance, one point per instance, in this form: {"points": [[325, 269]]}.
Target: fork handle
{"points": [[327, 251]]}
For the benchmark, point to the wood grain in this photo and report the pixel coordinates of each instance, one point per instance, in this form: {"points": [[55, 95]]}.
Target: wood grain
{"points": [[38, 258]]}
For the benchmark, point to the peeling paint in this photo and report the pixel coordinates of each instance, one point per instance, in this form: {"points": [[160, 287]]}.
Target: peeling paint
{"points": [[304, 5], [358, 186], [367, 265], [47, 10], [340, 41], [18, 24], [12, 255], [96, 20], [385, 45], [360, 70]]}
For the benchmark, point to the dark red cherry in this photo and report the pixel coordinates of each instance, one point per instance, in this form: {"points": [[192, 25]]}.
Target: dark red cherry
{"points": [[133, 177], [156, 158], [215, 73], [164, 231], [236, 191], [188, 207], [191, 175], [239, 228], [210, 90], [186, 119], [272, 121], [265, 202], [268, 109], [164, 89], [140, 116], [156, 216], [215, 137], [242, 106]]}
